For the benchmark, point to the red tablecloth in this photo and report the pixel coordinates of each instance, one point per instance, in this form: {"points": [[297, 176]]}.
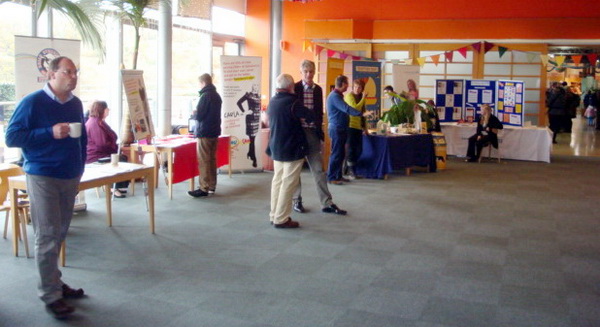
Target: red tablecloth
{"points": [[185, 159]]}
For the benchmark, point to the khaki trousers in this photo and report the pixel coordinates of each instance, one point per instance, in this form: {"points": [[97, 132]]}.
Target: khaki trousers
{"points": [[285, 181], [207, 162]]}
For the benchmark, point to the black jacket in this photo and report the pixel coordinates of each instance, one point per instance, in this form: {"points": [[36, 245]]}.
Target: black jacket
{"points": [[287, 141], [208, 113], [317, 107], [493, 123]]}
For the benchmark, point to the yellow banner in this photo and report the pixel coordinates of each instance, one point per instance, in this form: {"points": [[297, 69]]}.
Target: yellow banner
{"points": [[559, 60]]}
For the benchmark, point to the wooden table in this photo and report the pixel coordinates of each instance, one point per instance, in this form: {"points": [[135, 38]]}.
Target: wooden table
{"points": [[95, 175], [181, 145]]}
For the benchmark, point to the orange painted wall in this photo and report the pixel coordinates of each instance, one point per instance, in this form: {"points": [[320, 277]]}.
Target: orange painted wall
{"points": [[433, 19]]}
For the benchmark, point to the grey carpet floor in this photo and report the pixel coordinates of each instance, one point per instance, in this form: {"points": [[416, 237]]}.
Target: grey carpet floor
{"points": [[509, 244]]}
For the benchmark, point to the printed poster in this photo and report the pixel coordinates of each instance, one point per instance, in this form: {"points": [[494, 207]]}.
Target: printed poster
{"points": [[32, 58], [406, 80], [137, 102], [449, 99], [242, 103], [511, 106], [479, 92], [370, 73]]}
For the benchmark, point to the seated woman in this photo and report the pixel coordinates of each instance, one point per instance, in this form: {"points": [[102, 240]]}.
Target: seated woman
{"points": [[102, 140], [487, 132]]}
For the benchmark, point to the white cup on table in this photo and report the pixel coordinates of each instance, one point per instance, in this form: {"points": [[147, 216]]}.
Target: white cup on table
{"points": [[114, 159]]}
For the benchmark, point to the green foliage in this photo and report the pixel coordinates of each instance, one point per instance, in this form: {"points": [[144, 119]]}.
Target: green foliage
{"points": [[402, 112], [7, 92]]}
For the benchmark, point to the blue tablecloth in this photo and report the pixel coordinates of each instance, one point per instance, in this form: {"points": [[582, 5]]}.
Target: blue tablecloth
{"points": [[383, 154]]}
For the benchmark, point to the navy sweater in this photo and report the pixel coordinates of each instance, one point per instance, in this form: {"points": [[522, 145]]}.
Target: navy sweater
{"points": [[30, 128], [208, 113], [287, 141]]}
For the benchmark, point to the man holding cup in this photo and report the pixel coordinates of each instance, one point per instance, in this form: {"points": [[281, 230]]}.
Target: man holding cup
{"points": [[47, 126]]}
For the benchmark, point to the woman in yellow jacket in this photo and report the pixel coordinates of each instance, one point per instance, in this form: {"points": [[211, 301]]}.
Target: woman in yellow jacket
{"points": [[357, 100]]}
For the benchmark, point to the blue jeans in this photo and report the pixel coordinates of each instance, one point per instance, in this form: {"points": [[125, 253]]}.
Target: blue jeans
{"points": [[338, 138]]}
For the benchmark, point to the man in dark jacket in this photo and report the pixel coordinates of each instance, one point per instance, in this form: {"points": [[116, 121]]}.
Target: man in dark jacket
{"points": [[311, 96], [208, 129], [287, 147], [555, 101]]}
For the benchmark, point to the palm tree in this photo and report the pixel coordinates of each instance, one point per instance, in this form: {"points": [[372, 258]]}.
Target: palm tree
{"points": [[82, 14]]}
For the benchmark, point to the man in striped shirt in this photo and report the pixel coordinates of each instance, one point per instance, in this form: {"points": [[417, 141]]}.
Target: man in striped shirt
{"points": [[311, 96]]}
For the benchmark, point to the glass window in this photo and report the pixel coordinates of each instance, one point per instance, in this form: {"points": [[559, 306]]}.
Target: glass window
{"points": [[526, 70]]}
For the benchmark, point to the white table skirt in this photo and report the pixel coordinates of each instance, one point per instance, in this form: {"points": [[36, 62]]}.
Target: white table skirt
{"points": [[532, 144]]}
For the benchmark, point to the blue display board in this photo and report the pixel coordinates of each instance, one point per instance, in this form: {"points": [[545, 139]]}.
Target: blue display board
{"points": [[510, 107], [477, 93], [370, 73], [449, 99]]}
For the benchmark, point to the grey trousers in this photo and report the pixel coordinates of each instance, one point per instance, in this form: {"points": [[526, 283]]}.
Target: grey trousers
{"points": [[315, 162], [51, 206]]}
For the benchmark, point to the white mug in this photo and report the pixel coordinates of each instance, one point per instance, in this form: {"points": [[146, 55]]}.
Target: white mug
{"points": [[75, 130], [114, 159]]}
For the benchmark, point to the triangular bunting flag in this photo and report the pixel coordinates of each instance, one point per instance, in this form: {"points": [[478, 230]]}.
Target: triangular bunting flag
{"points": [[421, 61], [531, 56], [436, 59], [592, 58], [576, 59], [476, 46], [487, 46], [343, 55], [318, 49], [463, 52], [501, 51], [544, 59], [395, 61], [355, 58], [306, 45], [408, 61], [559, 60], [330, 53], [449, 55]]}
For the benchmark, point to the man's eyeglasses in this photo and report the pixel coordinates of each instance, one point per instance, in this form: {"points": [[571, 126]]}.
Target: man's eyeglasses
{"points": [[69, 72]]}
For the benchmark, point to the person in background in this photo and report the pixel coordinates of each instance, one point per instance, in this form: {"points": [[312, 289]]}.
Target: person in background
{"points": [[54, 163], [102, 140], [310, 94], [207, 131], [433, 116], [357, 126], [393, 96], [337, 114], [287, 147], [572, 100], [555, 101], [487, 132], [590, 115]]}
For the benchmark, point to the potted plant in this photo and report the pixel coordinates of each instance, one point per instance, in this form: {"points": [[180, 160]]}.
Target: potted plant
{"points": [[403, 113]]}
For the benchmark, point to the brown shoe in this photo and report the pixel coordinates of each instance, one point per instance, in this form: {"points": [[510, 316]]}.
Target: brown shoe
{"points": [[289, 223], [59, 309], [338, 182]]}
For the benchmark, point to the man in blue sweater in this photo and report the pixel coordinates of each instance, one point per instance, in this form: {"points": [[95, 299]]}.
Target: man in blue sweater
{"points": [[53, 162], [208, 129], [337, 114]]}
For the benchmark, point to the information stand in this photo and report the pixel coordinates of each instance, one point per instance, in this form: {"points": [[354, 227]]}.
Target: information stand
{"points": [[449, 99]]}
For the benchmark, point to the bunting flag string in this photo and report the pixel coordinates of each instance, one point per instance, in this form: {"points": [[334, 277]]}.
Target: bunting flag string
{"points": [[449, 55]]}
